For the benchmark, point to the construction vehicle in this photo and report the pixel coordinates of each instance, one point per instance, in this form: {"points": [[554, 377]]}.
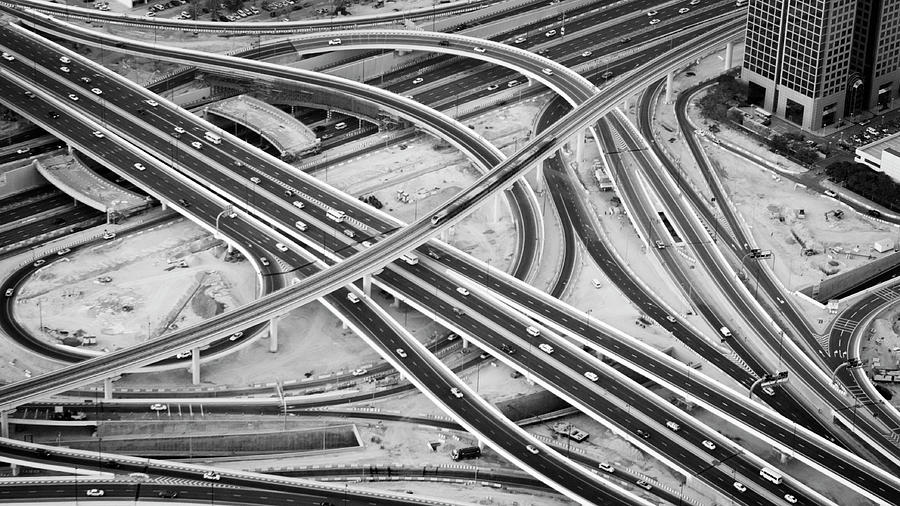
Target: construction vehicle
{"points": [[836, 213]]}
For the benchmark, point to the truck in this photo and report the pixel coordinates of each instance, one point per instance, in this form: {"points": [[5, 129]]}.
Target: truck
{"points": [[570, 431], [213, 138], [468, 452]]}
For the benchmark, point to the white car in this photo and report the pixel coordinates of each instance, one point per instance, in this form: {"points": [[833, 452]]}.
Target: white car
{"points": [[65, 59], [8, 57], [109, 235], [514, 82], [359, 372], [519, 40], [740, 486], [98, 134], [789, 498], [670, 318], [179, 130], [479, 49], [709, 444], [281, 247], [596, 282], [353, 298], [340, 126], [96, 91], [73, 96], [297, 204], [95, 492], [828, 193], [462, 291], [264, 261], [237, 335], [548, 72], [63, 251], [366, 244], [151, 102], [10, 292], [197, 145], [210, 475], [39, 262], [140, 166], [683, 10], [22, 151], [255, 180], [533, 449], [158, 407], [546, 348], [654, 21], [644, 485], [650, 14], [550, 33], [492, 87], [606, 467], [456, 393], [695, 2], [591, 376], [401, 353], [418, 80], [587, 53], [184, 354], [64, 69]]}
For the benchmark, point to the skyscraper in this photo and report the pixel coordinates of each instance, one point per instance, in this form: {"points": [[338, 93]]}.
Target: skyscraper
{"points": [[815, 62]]}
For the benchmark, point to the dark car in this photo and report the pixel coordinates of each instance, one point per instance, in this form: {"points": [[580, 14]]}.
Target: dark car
{"points": [[52, 114], [645, 435], [874, 213], [168, 494]]}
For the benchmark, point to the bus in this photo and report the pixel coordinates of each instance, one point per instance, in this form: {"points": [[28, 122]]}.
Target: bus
{"points": [[771, 475], [469, 452], [335, 215], [410, 258], [438, 217], [213, 138]]}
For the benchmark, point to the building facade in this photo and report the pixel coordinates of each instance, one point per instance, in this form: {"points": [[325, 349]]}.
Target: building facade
{"points": [[816, 62]]}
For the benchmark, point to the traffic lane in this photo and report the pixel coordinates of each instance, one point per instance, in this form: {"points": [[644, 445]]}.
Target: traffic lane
{"points": [[53, 202], [49, 224], [535, 362]]}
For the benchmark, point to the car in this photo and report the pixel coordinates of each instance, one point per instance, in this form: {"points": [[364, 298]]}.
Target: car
{"points": [[607, 74], [670, 318], [340, 126], [359, 372], [30, 94], [297, 204], [65, 59], [184, 203], [255, 180], [790, 498], [237, 335], [64, 69], [672, 425], [184, 354], [643, 434], [624, 40], [591, 376], [659, 244], [94, 492], [63, 251], [349, 233], [514, 82], [654, 21], [401, 352], [280, 246], [8, 57], [650, 14], [479, 49], [683, 10], [52, 114], [98, 134], [462, 290], [596, 283], [353, 298], [456, 393], [606, 467], [197, 145], [86, 80], [167, 494], [151, 102], [73, 96], [546, 348], [140, 166], [39, 262], [264, 260], [740, 486], [211, 475], [519, 40], [549, 33], [492, 87], [643, 484], [709, 444], [725, 331], [451, 336], [180, 130], [695, 2], [10, 292], [109, 235], [22, 151], [587, 53], [828, 193], [533, 449], [768, 390], [96, 91], [547, 71], [158, 407], [418, 80], [874, 213]]}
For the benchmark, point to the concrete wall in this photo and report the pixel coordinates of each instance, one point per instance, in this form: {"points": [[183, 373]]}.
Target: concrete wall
{"points": [[19, 176]]}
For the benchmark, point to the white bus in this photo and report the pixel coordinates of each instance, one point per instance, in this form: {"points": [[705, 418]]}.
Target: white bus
{"points": [[335, 215], [410, 258], [213, 138], [771, 475]]}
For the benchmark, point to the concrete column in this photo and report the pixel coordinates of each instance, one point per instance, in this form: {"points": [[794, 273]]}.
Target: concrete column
{"points": [[229, 247], [195, 366], [367, 285], [107, 388], [579, 146], [729, 54], [4, 424], [163, 205], [783, 458], [465, 342], [625, 103], [396, 302], [495, 207], [273, 334], [481, 444], [670, 77]]}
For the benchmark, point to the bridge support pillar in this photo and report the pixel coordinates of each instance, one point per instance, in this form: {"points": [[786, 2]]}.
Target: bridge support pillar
{"points": [[273, 334], [4, 432], [229, 247], [465, 342], [195, 366], [328, 115], [497, 206], [367, 285], [579, 146], [670, 77], [107, 388], [729, 54], [162, 204], [396, 302], [481, 444], [783, 458]]}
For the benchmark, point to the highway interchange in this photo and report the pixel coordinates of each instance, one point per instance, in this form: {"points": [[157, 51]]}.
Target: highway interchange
{"points": [[263, 206]]}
